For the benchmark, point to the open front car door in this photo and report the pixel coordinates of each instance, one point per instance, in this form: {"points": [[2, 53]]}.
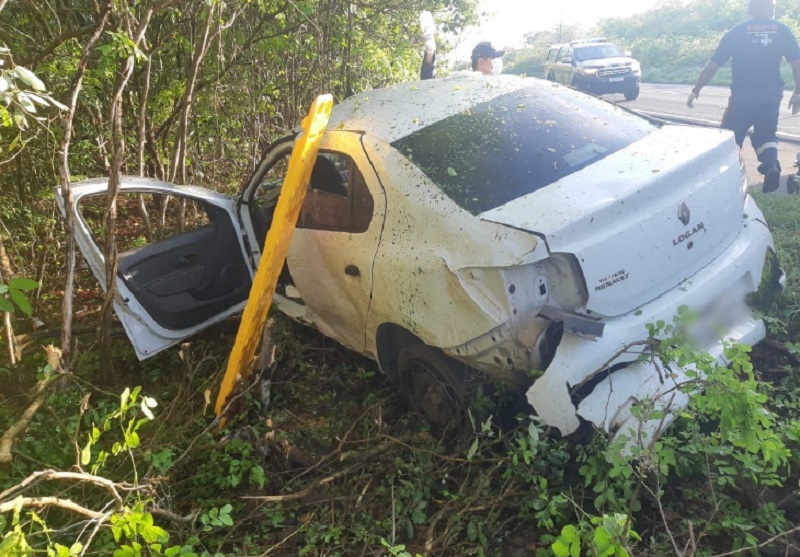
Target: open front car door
{"points": [[182, 263]]}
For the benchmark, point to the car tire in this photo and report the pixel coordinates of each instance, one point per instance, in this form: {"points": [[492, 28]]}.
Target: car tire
{"points": [[632, 94], [434, 384]]}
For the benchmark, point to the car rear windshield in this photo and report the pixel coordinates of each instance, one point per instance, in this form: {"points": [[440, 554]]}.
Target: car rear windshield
{"points": [[596, 51], [518, 143]]}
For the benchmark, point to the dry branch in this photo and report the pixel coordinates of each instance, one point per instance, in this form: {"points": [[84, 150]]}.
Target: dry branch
{"points": [[49, 475], [7, 441], [45, 502]]}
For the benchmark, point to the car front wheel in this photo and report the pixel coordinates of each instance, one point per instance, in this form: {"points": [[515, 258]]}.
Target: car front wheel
{"points": [[434, 384], [632, 94]]}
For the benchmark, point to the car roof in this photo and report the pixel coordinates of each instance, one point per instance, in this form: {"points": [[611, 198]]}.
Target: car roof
{"points": [[396, 112]]}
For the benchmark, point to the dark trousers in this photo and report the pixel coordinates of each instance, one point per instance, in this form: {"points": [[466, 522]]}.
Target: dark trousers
{"points": [[762, 115]]}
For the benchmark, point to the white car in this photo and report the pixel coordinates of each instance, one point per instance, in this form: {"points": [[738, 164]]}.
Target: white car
{"points": [[498, 224]]}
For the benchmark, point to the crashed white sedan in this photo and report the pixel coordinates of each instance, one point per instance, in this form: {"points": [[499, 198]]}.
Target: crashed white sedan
{"points": [[498, 225]]}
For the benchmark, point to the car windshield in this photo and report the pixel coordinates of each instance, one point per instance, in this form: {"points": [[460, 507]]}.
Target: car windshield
{"points": [[596, 51], [518, 143]]}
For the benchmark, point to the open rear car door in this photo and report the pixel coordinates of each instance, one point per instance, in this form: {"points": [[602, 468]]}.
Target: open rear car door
{"points": [[182, 263]]}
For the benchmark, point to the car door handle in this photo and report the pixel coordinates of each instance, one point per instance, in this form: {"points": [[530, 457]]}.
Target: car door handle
{"points": [[352, 271], [186, 259]]}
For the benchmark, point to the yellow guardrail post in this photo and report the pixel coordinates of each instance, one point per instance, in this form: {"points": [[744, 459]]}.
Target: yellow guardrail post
{"points": [[293, 192]]}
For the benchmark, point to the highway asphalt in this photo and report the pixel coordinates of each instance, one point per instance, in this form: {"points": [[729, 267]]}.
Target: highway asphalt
{"points": [[669, 102]]}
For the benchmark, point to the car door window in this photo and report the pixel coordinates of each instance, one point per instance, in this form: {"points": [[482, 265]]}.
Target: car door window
{"points": [[338, 199], [144, 217], [179, 257]]}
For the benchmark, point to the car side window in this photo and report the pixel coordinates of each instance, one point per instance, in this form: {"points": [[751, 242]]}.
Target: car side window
{"points": [[338, 199], [551, 54]]}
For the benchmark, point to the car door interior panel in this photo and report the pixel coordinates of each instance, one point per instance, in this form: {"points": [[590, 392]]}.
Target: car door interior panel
{"points": [[187, 279]]}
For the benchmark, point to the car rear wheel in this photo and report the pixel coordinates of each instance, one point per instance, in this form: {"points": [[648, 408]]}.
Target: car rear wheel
{"points": [[434, 384], [632, 94]]}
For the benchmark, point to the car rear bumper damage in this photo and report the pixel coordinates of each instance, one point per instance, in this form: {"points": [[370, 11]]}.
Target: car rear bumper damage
{"points": [[597, 378]]}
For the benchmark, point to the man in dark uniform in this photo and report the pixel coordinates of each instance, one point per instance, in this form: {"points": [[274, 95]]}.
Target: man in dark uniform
{"points": [[756, 48]]}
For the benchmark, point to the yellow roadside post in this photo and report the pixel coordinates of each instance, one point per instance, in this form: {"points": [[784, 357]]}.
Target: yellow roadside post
{"points": [[293, 192]]}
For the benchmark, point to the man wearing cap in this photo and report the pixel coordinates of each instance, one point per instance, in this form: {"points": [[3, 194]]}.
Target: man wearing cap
{"points": [[486, 59], [756, 48]]}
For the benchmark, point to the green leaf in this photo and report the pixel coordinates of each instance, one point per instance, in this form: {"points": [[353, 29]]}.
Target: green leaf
{"points": [[472, 449], [20, 120], [29, 78], [24, 284], [123, 399], [26, 103], [132, 440], [451, 171], [21, 300], [86, 454], [4, 84], [5, 118], [6, 305], [57, 104]]}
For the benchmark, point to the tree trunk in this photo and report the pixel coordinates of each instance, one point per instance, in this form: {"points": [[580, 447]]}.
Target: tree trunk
{"points": [[66, 188], [142, 140], [5, 275], [200, 49], [110, 217]]}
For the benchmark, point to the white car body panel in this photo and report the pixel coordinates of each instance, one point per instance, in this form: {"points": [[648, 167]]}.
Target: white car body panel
{"points": [[383, 114], [720, 287], [148, 338], [428, 242], [337, 302], [620, 216]]}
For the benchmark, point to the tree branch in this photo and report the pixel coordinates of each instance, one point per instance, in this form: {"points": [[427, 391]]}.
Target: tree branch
{"points": [[45, 502], [46, 475]]}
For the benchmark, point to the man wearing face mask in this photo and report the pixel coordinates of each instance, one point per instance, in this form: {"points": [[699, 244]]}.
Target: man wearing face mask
{"points": [[487, 60]]}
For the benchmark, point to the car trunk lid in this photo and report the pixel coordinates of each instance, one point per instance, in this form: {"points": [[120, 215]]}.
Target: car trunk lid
{"points": [[642, 220]]}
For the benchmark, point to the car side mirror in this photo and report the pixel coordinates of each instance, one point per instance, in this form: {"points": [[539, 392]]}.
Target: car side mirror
{"points": [[568, 61], [628, 53]]}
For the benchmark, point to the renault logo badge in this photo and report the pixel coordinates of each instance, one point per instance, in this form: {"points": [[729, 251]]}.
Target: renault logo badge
{"points": [[684, 214]]}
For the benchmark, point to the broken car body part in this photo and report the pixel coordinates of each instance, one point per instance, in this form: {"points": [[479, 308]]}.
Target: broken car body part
{"points": [[505, 225]]}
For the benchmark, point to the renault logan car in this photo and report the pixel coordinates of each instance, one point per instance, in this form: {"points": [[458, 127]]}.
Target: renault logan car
{"points": [[491, 228]]}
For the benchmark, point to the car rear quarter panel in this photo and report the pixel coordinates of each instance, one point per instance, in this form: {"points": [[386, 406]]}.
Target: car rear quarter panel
{"points": [[427, 240]]}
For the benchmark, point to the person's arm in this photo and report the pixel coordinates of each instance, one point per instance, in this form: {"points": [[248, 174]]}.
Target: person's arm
{"points": [[720, 56], [791, 52], [702, 80], [705, 76], [794, 100]]}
